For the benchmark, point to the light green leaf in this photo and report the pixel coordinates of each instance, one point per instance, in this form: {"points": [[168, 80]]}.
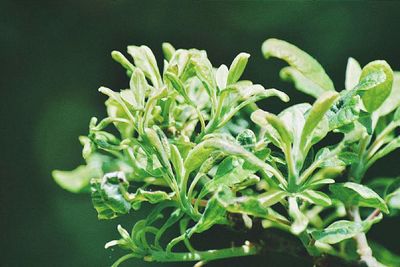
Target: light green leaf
{"points": [[337, 232], [214, 213], [152, 197], [357, 194], [78, 180], [392, 193], [353, 73], [252, 205], [301, 83], [315, 116], [264, 118], [294, 119], [299, 60], [168, 50], [160, 143], [390, 147], [138, 86], [88, 147], [204, 71], [231, 171], [237, 67], [221, 76], [300, 221], [177, 162], [177, 85], [393, 100], [375, 84], [121, 59], [344, 111], [247, 139], [145, 60], [107, 195], [316, 197]]}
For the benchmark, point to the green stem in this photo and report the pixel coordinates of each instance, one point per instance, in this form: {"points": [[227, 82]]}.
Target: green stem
{"points": [[208, 255]]}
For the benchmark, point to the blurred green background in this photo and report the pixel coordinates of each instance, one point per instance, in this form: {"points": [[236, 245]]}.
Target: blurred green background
{"points": [[55, 54]]}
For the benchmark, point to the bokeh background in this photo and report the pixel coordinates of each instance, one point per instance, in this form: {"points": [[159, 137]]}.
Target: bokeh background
{"points": [[55, 54]]}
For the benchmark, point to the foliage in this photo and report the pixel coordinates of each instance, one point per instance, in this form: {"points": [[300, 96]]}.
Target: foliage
{"points": [[192, 142]]}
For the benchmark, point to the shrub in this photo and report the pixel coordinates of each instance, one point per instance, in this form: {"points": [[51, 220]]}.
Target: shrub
{"points": [[192, 142]]}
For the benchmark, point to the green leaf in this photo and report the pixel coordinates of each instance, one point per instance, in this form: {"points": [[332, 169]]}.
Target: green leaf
{"points": [[168, 51], [393, 100], [247, 139], [107, 195], [315, 116], [231, 171], [152, 197], [138, 85], [299, 60], [78, 180], [341, 230], [121, 59], [344, 111], [264, 118], [201, 152], [375, 84], [252, 205], [300, 221], [204, 71], [357, 194], [365, 120], [337, 232], [301, 83], [316, 197], [294, 119], [177, 85], [353, 73], [177, 162], [214, 213], [392, 193], [145, 60], [159, 142], [237, 67]]}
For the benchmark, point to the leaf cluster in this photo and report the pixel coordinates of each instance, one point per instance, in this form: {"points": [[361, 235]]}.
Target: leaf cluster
{"points": [[191, 141]]}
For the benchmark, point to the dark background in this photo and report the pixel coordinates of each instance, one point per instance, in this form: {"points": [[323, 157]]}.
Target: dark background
{"points": [[55, 54]]}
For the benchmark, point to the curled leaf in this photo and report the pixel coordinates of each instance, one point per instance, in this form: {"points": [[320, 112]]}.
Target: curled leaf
{"points": [[375, 84], [299, 60], [107, 195]]}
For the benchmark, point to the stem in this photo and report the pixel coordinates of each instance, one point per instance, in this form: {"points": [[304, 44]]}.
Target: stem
{"points": [[363, 250], [246, 250]]}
